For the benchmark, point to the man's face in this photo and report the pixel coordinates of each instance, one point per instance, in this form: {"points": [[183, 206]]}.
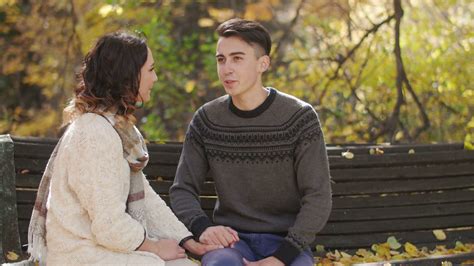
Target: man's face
{"points": [[238, 67]]}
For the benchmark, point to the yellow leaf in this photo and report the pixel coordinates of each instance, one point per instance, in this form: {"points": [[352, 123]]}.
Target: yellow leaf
{"points": [[378, 151], [411, 151], [439, 234], [348, 155], [461, 247], [189, 87], [345, 255], [383, 251], [221, 14], [12, 256], [411, 249], [205, 22], [319, 248]]}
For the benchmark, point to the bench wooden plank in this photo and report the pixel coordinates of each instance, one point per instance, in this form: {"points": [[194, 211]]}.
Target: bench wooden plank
{"points": [[394, 225], [418, 237], [396, 186], [361, 161], [402, 172], [403, 199], [443, 157], [365, 187]]}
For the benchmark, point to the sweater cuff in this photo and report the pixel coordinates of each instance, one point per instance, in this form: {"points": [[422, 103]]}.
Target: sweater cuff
{"points": [[181, 243], [144, 238], [286, 253], [199, 225]]}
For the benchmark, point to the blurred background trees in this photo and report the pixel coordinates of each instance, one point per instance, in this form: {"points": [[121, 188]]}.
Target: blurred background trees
{"points": [[376, 71]]}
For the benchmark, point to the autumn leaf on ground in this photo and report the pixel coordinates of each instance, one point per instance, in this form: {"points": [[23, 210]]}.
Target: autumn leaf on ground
{"points": [[348, 155], [12, 256], [393, 243], [411, 249], [411, 151], [319, 248], [378, 151], [439, 234]]}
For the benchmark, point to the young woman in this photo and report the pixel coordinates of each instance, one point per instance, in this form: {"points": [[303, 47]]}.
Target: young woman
{"points": [[94, 205]]}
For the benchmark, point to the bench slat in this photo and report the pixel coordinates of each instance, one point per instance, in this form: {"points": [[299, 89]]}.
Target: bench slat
{"points": [[418, 237], [402, 172], [361, 161], [394, 225], [366, 187]]}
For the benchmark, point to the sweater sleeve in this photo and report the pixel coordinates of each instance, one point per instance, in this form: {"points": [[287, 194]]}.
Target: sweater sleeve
{"points": [[161, 221], [312, 173], [190, 177], [99, 176]]}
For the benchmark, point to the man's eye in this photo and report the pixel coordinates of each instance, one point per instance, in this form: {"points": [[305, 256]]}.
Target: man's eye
{"points": [[238, 58], [220, 60]]}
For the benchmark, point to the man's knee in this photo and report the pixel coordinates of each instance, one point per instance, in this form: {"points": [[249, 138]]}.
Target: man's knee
{"points": [[223, 257]]}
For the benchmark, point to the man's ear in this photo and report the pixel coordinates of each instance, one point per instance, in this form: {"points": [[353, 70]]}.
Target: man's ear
{"points": [[263, 63]]}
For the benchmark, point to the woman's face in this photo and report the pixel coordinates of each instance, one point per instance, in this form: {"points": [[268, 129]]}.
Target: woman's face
{"points": [[147, 78]]}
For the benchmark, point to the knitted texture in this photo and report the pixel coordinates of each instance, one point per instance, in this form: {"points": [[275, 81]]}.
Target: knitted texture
{"points": [[87, 221], [269, 166]]}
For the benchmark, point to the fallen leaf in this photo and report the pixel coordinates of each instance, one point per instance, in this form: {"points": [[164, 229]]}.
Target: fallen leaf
{"points": [[320, 248], [348, 155], [439, 234], [393, 243], [411, 151], [12, 256], [411, 249]]}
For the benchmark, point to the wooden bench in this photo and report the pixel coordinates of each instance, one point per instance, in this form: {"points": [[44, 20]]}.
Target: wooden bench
{"points": [[406, 192]]}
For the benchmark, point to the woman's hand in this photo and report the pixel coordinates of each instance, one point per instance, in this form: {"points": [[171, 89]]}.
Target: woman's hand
{"points": [[198, 248], [166, 249]]}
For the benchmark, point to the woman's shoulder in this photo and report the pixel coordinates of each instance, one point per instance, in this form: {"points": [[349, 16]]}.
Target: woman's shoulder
{"points": [[91, 127]]}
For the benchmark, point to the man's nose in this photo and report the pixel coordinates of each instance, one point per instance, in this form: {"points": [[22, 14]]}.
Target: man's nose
{"points": [[228, 68]]}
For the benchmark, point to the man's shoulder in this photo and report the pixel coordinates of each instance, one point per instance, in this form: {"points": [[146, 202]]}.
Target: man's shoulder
{"points": [[217, 105], [292, 102]]}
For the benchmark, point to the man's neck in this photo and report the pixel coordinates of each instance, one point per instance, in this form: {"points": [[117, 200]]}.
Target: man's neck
{"points": [[250, 100]]}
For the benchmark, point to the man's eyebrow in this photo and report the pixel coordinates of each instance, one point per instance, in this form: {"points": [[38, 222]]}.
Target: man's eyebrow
{"points": [[231, 54]]}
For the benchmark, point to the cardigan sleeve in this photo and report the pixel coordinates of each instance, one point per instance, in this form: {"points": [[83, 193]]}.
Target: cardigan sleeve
{"points": [[99, 175], [161, 221]]}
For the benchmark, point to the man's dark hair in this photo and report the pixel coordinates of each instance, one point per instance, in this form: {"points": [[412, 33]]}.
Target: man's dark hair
{"points": [[250, 31]]}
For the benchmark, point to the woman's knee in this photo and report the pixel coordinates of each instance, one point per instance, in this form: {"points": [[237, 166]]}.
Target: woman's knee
{"points": [[223, 257]]}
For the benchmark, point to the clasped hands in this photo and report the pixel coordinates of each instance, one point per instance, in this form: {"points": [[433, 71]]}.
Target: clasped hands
{"points": [[212, 238], [224, 236]]}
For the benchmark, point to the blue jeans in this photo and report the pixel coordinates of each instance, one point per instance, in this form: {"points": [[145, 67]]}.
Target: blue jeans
{"points": [[252, 247]]}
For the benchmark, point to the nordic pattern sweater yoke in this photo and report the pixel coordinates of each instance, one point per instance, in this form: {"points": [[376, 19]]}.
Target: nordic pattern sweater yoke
{"points": [[269, 166]]}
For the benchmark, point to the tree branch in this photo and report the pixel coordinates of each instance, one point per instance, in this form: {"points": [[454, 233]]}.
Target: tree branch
{"points": [[343, 59]]}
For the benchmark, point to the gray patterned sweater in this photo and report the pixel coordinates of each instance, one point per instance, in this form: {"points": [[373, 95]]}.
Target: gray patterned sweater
{"points": [[269, 166]]}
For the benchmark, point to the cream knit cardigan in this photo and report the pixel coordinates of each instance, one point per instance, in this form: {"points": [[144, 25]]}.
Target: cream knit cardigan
{"points": [[86, 221]]}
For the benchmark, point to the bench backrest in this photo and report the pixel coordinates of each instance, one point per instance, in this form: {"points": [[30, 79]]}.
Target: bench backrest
{"points": [[406, 192]]}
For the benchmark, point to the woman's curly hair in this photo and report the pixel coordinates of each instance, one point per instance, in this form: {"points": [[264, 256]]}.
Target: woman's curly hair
{"points": [[110, 77]]}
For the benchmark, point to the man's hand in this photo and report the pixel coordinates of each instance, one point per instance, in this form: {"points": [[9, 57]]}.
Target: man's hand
{"points": [[198, 248], [270, 261], [219, 235], [166, 249]]}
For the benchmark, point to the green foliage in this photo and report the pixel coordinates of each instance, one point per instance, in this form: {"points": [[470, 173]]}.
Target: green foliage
{"points": [[327, 56]]}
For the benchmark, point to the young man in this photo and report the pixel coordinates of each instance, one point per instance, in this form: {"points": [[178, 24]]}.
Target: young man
{"points": [[266, 153]]}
